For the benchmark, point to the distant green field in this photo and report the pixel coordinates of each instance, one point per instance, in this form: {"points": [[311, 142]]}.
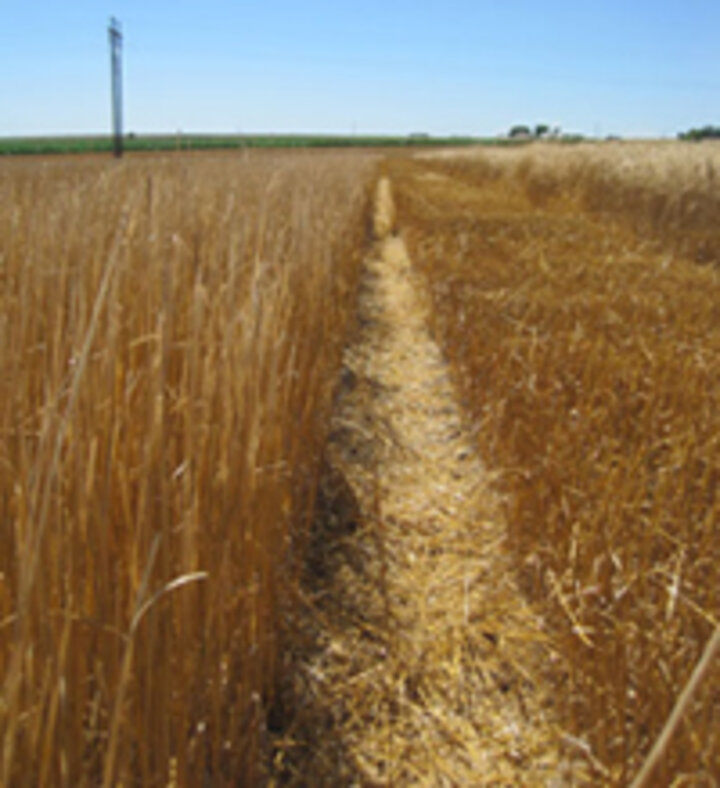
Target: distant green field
{"points": [[103, 144]]}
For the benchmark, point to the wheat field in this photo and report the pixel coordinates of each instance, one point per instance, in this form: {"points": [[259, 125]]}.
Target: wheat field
{"points": [[585, 338], [668, 193], [170, 331], [188, 342]]}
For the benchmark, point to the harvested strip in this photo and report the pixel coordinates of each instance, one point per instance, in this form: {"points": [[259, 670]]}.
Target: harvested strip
{"points": [[428, 667]]}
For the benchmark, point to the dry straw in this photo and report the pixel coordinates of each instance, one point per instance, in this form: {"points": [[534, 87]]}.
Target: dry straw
{"points": [[587, 346], [423, 663]]}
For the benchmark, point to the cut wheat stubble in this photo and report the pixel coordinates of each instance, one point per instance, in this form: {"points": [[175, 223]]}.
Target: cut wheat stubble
{"points": [[428, 667]]}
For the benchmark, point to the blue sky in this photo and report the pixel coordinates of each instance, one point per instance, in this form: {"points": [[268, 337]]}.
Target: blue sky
{"points": [[629, 67]]}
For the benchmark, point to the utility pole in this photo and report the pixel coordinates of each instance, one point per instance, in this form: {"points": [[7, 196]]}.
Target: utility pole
{"points": [[115, 34]]}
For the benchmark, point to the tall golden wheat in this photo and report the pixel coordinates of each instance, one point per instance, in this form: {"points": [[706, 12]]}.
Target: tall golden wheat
{"points": [[170, 331]]}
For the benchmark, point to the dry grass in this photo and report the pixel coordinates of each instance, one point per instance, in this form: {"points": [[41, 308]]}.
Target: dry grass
{"points": [[589, 356], [170, 332]]}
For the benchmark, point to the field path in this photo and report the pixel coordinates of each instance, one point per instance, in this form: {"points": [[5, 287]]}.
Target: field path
{"points": [[428, 666]]}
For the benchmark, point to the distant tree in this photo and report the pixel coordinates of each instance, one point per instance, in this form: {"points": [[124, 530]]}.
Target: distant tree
{"points": [[704, 133], [541, 130], [520, 131]]}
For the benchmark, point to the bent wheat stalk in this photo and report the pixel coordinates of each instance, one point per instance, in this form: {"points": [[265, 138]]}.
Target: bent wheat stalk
{"points": [[701, 669]]}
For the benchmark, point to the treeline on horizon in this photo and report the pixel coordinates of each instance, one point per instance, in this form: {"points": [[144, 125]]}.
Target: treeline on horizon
{"points": [[704, 133]]}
